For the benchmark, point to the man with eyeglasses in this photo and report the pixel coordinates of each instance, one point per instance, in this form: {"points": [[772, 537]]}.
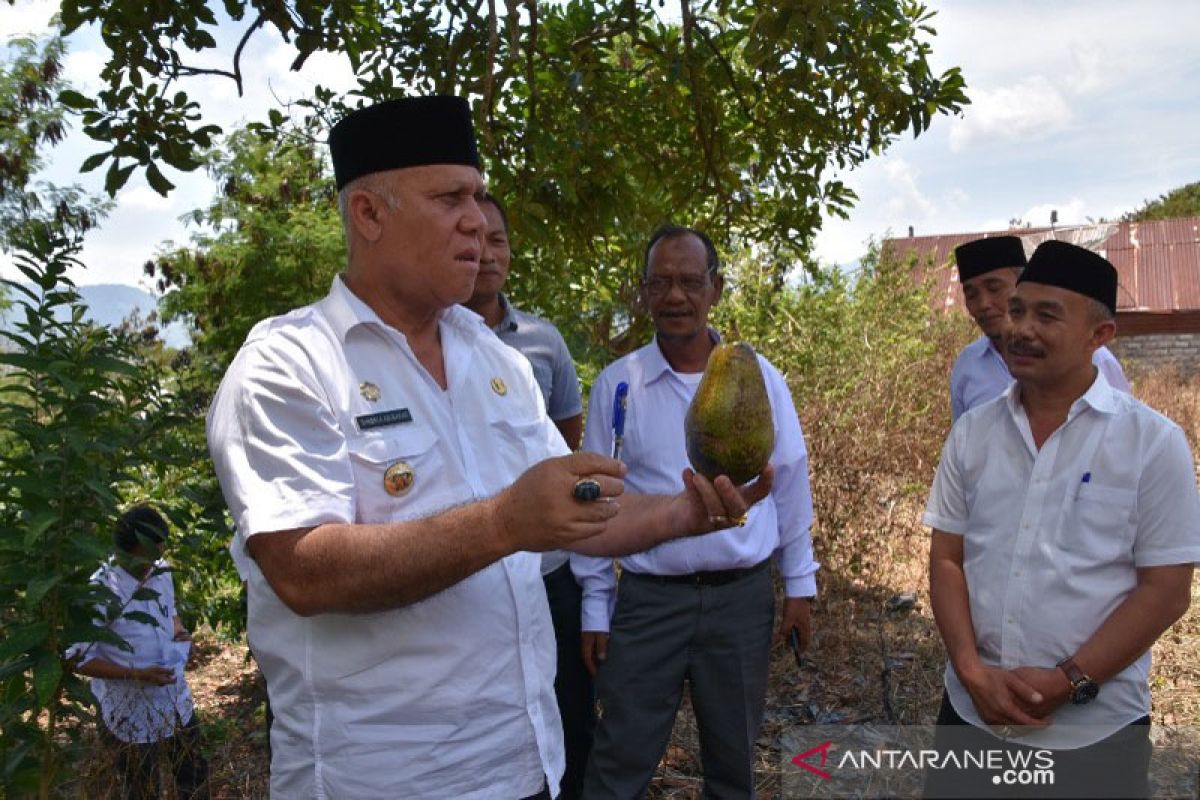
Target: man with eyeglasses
{"points": [[702, 611]]}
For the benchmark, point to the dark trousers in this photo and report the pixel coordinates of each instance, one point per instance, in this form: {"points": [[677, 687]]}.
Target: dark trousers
{"points": [[1117, 766], [714, 639], [138, 764], [573, 683]]}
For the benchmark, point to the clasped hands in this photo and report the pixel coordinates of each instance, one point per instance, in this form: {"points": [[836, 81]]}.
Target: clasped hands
{"points": [[1024, 696]]}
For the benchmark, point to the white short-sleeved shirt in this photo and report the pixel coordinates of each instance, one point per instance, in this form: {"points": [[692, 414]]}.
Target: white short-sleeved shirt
{"points": [[136, 711], [1053, 538], [655, 452], [451, 696], [980, 375]]}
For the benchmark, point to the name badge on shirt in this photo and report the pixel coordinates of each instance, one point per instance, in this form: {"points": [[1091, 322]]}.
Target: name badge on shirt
{"points": [[384, 419]]}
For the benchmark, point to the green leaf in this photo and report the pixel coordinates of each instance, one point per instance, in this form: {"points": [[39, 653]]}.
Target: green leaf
{"points": [[11, 668], [38, 587], [22, 640], [47, 675], [74, 100], [145, 594], [39, 522], [140, 616], [158, 182], [116, 177], [93, 161]]}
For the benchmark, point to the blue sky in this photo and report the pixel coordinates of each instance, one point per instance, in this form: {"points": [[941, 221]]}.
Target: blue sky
{"points": [[1087, 108]]}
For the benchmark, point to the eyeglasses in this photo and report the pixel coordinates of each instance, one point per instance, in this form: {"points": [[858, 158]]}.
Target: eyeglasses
{"points": [[691, 284]]}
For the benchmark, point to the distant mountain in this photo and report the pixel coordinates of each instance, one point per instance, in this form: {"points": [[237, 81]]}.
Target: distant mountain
{"points": [[110, 304]]}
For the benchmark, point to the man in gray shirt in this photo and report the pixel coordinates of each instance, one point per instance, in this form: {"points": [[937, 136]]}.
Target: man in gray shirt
{"points": [[540, 342], [536, 338]]}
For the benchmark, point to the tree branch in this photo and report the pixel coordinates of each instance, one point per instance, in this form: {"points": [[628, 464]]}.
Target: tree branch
{"points": [[237, 54], [689, 23], [728, 69], [184, 71], [488, 77], [531, 77]]}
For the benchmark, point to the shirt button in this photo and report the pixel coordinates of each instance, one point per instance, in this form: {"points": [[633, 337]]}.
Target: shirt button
{"points": [[1025, 526]]}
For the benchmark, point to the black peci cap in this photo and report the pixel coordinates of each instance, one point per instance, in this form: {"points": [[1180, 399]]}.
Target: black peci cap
{"points": [[1075, 268], [406, 132], [984, 255]]}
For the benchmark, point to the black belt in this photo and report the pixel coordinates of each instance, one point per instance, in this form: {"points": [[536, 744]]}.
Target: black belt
{"points": [[716, 577]]}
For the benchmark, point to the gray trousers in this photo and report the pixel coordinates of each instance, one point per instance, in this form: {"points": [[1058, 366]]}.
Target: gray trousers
{"points": [[717, 639]]}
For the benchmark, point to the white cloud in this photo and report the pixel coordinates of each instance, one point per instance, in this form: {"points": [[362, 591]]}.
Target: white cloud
{"points": [[1092, 68], [81, 68], [143, 198], [26, 18], [905, 197], [1070, 212], [1031, 109]]}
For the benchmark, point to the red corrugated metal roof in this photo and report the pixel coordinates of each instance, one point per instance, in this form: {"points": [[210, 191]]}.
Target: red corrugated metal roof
{"points": [[1158, 263]]}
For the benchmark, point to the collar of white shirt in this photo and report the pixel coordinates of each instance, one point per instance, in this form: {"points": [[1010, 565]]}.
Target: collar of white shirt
{"points": [[1100, 396], [655, 365], [345, 311]]}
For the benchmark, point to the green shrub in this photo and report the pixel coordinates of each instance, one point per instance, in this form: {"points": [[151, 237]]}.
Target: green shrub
{"points": [[85, 422]]}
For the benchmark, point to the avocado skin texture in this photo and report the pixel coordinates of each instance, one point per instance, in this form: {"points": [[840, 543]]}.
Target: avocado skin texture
{"points": [[729, 429]]}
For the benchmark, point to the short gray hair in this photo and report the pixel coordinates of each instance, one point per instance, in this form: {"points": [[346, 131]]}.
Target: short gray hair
{"points": [[1098, 312], [375, 183]]}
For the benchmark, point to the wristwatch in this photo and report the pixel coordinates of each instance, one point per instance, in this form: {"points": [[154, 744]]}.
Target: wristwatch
{"points": [[1083, 688]]}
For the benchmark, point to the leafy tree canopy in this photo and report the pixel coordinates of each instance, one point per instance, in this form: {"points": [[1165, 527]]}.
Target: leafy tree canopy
{"points": [[598, 119], [31, 120], [1181, 202]]}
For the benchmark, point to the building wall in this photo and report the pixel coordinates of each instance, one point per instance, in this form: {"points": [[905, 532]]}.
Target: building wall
{"points": [[1139, 353]]}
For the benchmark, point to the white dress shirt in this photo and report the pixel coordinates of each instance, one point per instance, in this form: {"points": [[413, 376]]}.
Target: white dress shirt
{"points": [[656, 454], [1053, 538], [451, 696], [137, 711], [980, 375]]}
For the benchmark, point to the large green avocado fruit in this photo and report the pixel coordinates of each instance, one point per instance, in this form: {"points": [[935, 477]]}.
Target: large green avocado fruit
{"points": [[729, 428]]}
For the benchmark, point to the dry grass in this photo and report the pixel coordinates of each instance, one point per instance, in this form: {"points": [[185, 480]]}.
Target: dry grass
{"points": [[867, 663]]}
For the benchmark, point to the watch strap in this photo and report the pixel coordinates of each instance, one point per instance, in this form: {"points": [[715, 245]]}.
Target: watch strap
{"points": [[1074, 674]]}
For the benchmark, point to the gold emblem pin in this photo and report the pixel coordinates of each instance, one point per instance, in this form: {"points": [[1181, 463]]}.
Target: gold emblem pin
{"points": [[398, 479], [369, 391], [498, 386]]}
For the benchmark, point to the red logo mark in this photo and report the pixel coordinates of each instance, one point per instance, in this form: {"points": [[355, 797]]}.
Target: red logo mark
{"points": [[823, 749]]}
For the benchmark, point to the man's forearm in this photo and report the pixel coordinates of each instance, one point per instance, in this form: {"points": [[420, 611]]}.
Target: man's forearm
{"points": [[367, 568], [1160, 598], [952, 612], [643, 522], [107, 670]]}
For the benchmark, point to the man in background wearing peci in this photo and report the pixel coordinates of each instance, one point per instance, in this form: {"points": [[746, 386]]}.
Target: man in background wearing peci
{"points": [[539, 341], [989, 269]]}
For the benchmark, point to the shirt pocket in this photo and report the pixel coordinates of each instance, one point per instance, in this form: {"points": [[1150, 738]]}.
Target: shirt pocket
{"points": [[1097, 526], [399, 475], [516, 446]]}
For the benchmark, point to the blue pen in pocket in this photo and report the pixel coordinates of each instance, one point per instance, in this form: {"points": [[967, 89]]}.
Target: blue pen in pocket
{"points": [[1087, 478], [620, 401]]}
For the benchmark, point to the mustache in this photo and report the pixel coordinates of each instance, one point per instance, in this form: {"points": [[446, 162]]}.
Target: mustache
{"points": [[1019, 348]]}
